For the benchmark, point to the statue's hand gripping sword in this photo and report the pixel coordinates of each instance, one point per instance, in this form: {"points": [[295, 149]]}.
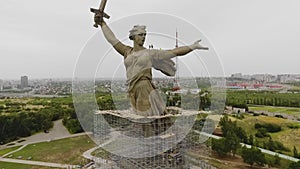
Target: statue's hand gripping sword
{"points": [[100, 12]]}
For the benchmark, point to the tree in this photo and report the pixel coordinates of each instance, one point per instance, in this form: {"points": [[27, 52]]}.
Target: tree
{"points": [[253, 155], [271, 144], [294, 165], [232, 142], [240, 133], [225, 124], [232, 134], [261, 133], [74, 126], [296, 154], [277, 160], [220, 147], [229, 126], [251, 140]]}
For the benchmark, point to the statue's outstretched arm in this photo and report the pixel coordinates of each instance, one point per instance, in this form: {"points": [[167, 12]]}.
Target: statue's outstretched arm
{"points": [[111, 38], [180, 51]]}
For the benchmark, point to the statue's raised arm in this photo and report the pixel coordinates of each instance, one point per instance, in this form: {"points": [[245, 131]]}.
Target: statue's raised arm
{"points": [[111, 38], [108, 34], [180, 51]]}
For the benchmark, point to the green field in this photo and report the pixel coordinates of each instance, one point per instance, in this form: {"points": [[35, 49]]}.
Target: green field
{"points": [[5, 165], [273, 109], [295, 88], [289, 137], [64, 151]]}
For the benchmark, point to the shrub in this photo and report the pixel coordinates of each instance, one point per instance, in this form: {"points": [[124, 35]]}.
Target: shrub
{"points": [[293, 126], [261, 133], [269, 127], [253, 155]]}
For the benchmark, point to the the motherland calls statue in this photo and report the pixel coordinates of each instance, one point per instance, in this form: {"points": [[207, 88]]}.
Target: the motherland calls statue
{"points": [[139, 61]]}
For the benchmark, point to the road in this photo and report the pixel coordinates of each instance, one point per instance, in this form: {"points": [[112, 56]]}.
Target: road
{"points": [[249, 146]]}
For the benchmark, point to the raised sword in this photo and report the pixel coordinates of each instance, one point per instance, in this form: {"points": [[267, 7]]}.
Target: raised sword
{"points": [[100, 12]]}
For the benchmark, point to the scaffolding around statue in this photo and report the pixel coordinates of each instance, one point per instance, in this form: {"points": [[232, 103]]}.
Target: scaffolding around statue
{"points": [[130, 141]]}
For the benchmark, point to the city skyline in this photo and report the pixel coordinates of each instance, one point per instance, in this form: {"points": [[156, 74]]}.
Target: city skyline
{"points": [[249, 37], [234, 75]]}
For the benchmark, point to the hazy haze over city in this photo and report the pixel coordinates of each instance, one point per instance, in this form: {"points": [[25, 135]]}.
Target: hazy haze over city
{"points": [[42, 39]]}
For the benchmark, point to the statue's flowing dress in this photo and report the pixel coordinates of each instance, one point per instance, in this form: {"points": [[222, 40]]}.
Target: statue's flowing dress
{"points": [[144, 97]]}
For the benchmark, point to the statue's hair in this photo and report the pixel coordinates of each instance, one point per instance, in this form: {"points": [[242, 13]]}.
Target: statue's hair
{"points": [[137, 29]]}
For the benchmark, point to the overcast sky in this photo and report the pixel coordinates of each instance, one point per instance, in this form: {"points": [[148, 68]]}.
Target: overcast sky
{"points": [[43, 38]]}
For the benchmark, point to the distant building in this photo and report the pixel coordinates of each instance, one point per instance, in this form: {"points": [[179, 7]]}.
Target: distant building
{"points": [[237, 75], [238, 110], [285, 78], [24, 82], [264, 77]]}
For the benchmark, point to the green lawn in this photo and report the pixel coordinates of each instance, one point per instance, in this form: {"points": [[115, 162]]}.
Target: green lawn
{"points": [[65, 151], [273, 109], [7, 150], [290, 138], [5, 165]]}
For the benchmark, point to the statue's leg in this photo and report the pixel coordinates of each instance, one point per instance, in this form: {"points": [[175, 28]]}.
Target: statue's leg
{"points": [[143, 90], [158, 105], [132, 97]]}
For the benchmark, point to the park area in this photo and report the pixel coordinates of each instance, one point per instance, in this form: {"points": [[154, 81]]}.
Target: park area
{"points": [[274, 109], [288, 135], [63, 151]]}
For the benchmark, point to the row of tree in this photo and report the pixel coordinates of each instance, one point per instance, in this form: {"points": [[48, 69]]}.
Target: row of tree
{"points": [[269, 98]]}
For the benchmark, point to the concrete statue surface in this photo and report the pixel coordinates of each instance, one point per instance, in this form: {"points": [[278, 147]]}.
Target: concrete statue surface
{"points": [[139, 61]]}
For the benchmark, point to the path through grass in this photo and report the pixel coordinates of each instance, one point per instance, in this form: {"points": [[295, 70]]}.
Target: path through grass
{"points": [[64, 151], [5, 165], [7, 150]]}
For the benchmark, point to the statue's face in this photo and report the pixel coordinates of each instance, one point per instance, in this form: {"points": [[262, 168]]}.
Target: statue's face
{"points": [[140, 38]]}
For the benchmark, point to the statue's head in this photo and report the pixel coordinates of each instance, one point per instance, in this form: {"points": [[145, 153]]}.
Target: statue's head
{"points": [[137, 30]]}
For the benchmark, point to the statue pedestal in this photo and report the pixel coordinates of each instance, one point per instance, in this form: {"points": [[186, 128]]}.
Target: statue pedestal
{"points": [[138, 142]]}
